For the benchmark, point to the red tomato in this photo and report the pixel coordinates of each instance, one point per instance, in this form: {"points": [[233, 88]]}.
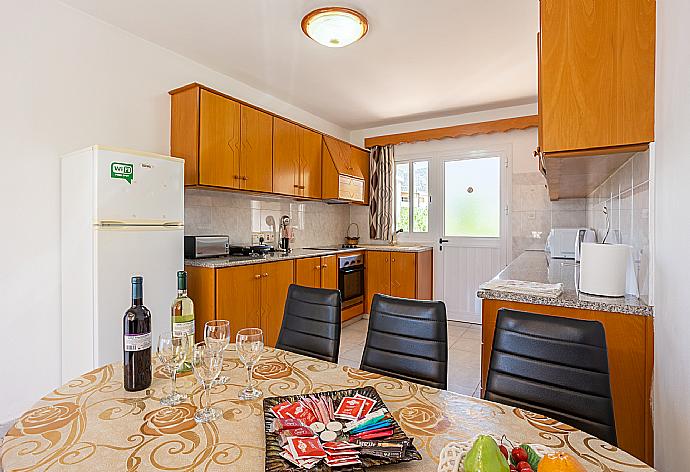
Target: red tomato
{"points": [[524, 467], [504, 450], [513, 468], [519, 455]]}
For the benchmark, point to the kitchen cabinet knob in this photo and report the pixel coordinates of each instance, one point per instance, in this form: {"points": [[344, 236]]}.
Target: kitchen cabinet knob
{"points": [[237, 177], [393, 259], [257, 276], [244, 177], [324, 266], [317, 267], [266, 274]]}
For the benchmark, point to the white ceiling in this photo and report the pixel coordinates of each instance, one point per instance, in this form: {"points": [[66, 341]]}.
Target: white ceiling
{"points": [[420, 59]]}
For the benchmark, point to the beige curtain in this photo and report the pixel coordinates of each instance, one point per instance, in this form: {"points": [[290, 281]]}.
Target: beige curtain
{"points": [[381, 192]]}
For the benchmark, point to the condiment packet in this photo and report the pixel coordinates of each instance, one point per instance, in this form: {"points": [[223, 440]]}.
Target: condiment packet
{"points": [[339, 446], [275, 409], [305, 448], [368, 405], [342, 461], [305, 463], [350, 408], [302, 432], [280, 424], [298, 411]]}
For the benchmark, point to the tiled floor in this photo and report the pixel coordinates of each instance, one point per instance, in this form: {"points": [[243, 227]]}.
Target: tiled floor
{"points": [[464, 347]]}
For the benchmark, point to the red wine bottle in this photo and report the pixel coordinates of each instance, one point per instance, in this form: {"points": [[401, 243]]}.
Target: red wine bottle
{"points": [[137, 340]]}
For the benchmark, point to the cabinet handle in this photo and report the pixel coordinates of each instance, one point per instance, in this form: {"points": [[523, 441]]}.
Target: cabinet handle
{"points": [[317, 267], [244, 177], [393, 259], [257, 276], [324, 266], [265, 274], [237, 177], [302, 187], [297, 186]]}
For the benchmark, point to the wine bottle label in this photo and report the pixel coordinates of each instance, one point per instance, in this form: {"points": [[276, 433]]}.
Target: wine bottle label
{"points": [[184, 328], [137, 342]]}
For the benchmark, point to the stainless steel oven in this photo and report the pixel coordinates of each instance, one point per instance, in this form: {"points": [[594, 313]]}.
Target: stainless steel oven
{"points": [[351, 279]]}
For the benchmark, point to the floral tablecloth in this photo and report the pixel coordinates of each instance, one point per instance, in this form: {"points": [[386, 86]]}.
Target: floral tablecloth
{"points": [[93, 424]]}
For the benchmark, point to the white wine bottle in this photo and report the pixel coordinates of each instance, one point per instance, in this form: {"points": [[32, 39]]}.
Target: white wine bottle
{"points": [[183, 318]]}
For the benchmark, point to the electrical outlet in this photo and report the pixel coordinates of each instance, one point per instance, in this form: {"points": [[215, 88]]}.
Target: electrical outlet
{"points": [[267, 238]]}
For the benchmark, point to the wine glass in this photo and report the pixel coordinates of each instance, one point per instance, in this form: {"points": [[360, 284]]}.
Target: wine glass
{"points": [[172, 352], [217, 338], [206, 363], [250, 346]]}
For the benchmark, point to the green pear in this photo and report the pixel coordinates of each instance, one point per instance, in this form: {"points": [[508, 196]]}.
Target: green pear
{"points": [[485, 456]]}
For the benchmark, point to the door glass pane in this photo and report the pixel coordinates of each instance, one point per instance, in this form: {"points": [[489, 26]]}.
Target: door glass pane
{"points": [[420, 170], [473, 197], [402, 196]]}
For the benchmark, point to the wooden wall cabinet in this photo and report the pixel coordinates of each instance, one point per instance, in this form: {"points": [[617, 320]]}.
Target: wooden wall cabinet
{"points": [[361, 160], [224, 144], [317, 272], [630, 344], [248, 296], [400, 274], [596, 89], [296, 160]]}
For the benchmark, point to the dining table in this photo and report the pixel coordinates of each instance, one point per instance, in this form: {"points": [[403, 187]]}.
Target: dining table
{"points": [[91, 423]]}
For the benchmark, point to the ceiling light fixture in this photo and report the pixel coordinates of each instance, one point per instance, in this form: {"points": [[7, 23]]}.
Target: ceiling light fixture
{"points": [[335, 27]]}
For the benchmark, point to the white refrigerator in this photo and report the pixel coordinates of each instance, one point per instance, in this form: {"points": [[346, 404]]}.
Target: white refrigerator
{"points": [[122, 215]]}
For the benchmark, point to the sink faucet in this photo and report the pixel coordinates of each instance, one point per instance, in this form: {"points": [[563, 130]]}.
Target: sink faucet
{"points": [[394, 238]]}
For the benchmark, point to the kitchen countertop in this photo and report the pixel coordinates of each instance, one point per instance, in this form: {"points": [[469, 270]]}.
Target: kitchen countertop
{"points": [[537, 266], [232, 261]]}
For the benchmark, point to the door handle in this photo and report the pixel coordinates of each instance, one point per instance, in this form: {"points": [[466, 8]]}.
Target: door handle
{"points": [[440, 243]]}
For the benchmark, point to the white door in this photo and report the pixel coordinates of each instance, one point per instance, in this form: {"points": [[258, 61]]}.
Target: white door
{"points": [[471, 246], [155, 253]]}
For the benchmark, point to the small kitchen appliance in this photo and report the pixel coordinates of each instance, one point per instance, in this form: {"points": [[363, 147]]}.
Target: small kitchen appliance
{"points": [[285, 233], [561, 242], [197, 247]]}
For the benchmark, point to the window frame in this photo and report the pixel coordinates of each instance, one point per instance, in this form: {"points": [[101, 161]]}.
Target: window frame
{"points": [[411, 200]]}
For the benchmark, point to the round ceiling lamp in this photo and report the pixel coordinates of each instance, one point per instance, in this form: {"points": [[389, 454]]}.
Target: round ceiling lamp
{"points": [[335, 27]]}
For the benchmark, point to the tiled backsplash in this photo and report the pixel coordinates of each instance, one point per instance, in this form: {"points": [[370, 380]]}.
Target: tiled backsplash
{"points": [[239, 215], [534, 214], [625, 194]]}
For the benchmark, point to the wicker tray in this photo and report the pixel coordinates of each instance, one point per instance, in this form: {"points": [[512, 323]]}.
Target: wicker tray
{"points": [[275, 463]]}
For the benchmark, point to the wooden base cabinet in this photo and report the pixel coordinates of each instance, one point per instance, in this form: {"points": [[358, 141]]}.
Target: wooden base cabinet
{"points": [[630, 344], [317, 272], [248, 296], [400, 274]]}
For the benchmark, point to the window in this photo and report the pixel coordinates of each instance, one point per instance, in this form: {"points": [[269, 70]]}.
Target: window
{"points": [[412, 196], [473, 197]]}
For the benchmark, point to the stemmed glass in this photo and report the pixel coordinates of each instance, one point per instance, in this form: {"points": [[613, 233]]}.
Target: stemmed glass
{"points": [[217, 338], [206, 364], [172, 353], [250, 346]]}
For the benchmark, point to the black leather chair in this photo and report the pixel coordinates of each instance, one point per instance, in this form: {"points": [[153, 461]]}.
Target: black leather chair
{"points": [[407, 339], [553, 366], [311, 323]]}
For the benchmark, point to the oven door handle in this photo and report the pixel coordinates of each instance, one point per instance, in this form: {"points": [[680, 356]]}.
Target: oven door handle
{"points": [[352, 270]]}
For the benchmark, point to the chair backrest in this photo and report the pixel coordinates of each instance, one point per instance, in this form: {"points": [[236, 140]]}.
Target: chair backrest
{"points": [[553, 366], [407, 339], [311, 323]]}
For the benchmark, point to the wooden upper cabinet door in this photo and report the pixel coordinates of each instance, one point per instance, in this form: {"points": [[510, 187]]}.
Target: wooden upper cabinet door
{"points": [[310, 163], [238, 296], [276, 277], [256, 156], [308, 272], [597, 73], [403, 274], [361, 160], [286, 158], [378, 275], [329, 272], [219, 141], [184, 131]]}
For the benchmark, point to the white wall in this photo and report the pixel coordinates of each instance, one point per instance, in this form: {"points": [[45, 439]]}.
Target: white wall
{"points": [[672, 227], [70, 81]]}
